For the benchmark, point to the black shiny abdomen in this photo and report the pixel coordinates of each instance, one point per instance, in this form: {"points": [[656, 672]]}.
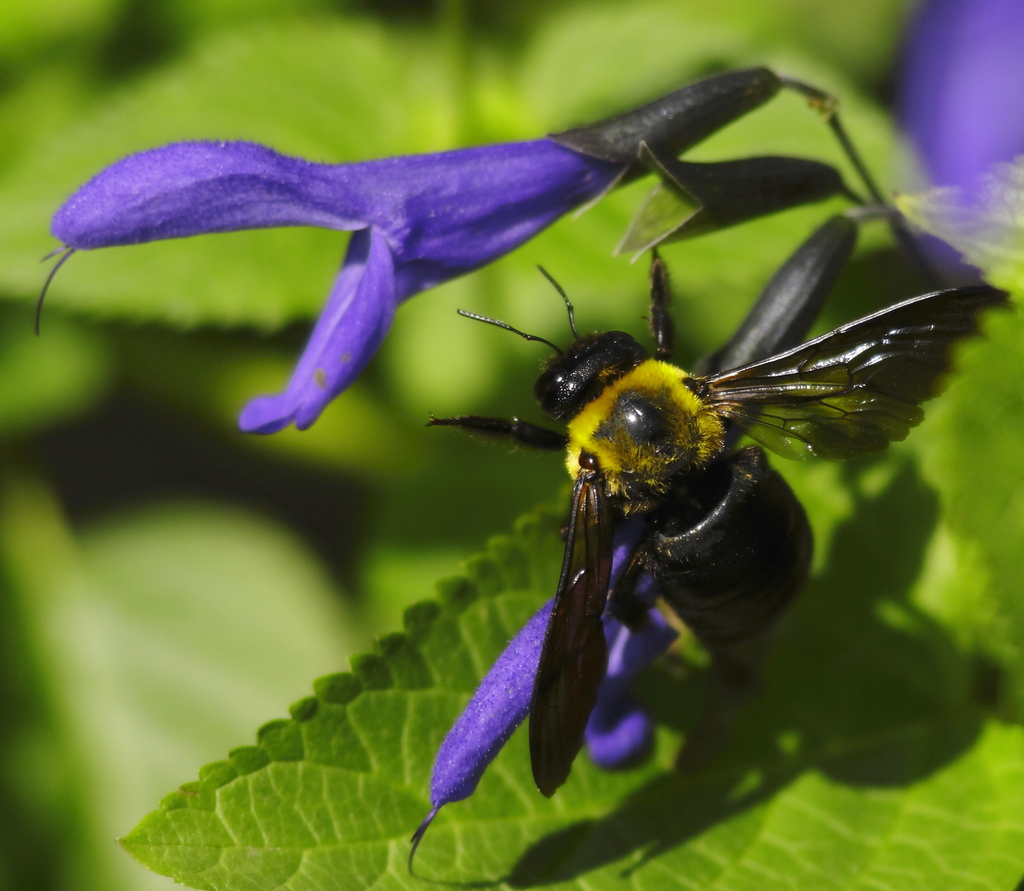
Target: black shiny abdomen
{"points": [[735, 553]]}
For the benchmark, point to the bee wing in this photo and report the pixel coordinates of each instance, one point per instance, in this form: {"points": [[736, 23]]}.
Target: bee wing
{"points": [[574, 657], [857, 388]]}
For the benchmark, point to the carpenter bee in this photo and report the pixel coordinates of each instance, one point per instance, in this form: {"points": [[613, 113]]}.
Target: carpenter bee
{"points": [[725, 538]]}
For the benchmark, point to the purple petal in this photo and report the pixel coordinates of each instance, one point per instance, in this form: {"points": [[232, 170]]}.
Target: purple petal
{"points": [[499, 705], [191, 188], [619, 730], [356, 319], [443, 213], [963, 86], [447, 214], [627, 536]]}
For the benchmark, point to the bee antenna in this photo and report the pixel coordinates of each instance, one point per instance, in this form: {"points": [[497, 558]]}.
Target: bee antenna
{"points": [[507, 327], [565, 297], [67, 252]]}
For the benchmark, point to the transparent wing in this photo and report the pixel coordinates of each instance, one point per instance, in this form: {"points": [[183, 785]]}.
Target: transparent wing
{"points": [[857, 388], [574, 657]]}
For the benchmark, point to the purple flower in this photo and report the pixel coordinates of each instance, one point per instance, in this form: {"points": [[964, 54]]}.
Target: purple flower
{"points": [[418, 221], [962, 90], [961, 97], [619, 731]]}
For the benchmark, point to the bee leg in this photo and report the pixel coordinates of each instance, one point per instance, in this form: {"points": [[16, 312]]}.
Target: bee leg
{"points": [[663, 328], [623, 603], [523, 432]]}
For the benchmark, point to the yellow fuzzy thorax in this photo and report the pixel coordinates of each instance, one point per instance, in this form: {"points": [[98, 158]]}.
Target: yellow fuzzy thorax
{"points": [[695, 430]]}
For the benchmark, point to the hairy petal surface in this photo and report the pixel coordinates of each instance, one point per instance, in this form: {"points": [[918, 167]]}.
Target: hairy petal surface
{"points": [[454, 209], [498, 707], [194, 188]]}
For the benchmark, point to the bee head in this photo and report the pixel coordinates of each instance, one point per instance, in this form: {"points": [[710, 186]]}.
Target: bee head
{"points": [[577, 376]]}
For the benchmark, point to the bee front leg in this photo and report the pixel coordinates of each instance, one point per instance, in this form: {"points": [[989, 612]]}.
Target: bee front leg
{"points": [[623, 603], [523, 432], [663, 329]]}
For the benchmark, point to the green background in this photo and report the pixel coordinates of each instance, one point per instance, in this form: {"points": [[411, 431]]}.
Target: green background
{"points": [[168, 585]]}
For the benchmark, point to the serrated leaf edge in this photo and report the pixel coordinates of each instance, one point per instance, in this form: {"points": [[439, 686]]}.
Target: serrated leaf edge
{"points": [[490, 573]]}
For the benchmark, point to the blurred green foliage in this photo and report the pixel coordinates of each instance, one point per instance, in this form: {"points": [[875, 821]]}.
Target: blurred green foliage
{"points": [[167, 585]]}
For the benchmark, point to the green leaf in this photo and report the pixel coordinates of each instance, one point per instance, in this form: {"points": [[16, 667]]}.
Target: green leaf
{"points": [[623, 54], [39, 106], [161, 636], [873, 769], [214, 376], [974, 461], [193, 15]]}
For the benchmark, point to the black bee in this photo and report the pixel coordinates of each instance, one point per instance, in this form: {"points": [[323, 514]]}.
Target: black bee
{"points": [[725, 537]]}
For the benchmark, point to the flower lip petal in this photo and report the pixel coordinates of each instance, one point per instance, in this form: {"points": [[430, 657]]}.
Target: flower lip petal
{"points": [[499, 705], [356, 319], [623, 742], [498, 196]]}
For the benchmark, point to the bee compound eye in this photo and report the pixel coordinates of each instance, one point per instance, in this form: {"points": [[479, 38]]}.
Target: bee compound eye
{"points": [[562, 391], [577, 376], [550, 390]]}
